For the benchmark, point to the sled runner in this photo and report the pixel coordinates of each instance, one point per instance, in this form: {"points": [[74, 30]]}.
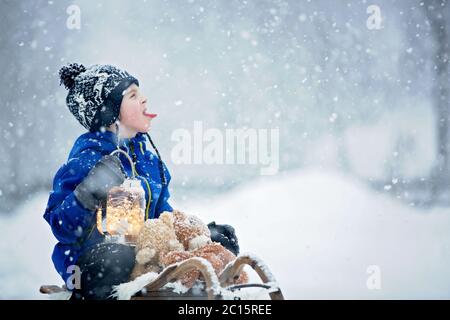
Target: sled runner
{"points": [[212, 287]]}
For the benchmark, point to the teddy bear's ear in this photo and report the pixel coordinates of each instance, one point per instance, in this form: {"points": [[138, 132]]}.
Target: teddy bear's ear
{"points": [[179, 215], [167, 218], [145, 255]]}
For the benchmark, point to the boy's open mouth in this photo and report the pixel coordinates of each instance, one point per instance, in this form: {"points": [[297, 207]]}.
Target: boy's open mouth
{"points": [[150, 115]]}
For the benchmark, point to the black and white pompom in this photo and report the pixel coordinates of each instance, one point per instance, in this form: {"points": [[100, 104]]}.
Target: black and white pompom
{"points": [[68, 74]]}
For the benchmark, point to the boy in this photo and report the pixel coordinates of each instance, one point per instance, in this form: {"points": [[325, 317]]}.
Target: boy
{"points": [[98, 97]]}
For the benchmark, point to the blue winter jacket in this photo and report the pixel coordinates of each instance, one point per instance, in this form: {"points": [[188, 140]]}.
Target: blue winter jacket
{"points": [[73, 225]]}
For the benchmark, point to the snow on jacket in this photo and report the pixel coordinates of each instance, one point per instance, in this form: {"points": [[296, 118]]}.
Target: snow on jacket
{"points": [[73, 225]]}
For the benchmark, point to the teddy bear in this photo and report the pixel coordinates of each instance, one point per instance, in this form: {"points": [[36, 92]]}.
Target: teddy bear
{"points": [[196, 239], [190, 230], [175, 237], [156, 238]]}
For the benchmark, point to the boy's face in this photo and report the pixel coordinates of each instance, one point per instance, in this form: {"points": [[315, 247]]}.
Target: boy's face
{"points": [[133, 114]]}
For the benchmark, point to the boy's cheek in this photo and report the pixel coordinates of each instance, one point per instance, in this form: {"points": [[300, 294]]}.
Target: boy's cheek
{"points": [[138, 118]]}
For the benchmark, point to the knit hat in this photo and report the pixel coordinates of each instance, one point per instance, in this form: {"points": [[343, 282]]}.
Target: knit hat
{"points": [[95, 93]]}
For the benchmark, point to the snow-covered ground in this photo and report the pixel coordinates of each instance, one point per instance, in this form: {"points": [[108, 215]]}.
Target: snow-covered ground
{"points": [[25, 251], [318, 232]]}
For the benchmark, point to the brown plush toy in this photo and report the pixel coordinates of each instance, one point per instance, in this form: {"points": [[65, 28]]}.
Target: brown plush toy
{"points": [[190, 230], [157, 237], [175, 237], [195, 237]]}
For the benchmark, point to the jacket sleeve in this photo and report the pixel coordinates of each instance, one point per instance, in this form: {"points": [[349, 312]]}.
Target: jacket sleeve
{"points": [[68, 219], [163, 204]]}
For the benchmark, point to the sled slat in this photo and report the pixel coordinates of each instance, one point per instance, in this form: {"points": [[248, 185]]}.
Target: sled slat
{"points": [[175, 271], [232, 271]]}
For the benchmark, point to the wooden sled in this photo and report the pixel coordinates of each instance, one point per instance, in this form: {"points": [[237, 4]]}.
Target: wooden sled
{"points": [[211, 288]]}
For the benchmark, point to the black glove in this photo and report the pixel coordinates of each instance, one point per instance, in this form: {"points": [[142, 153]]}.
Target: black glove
{"points": [[225, 235], [93, 190]]}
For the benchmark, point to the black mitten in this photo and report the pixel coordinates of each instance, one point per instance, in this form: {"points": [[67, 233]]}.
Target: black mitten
{"points": [[107, 173], [225, 235]]}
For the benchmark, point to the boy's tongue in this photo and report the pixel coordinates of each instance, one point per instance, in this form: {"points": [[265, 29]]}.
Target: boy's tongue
{"points": [[150, 115]]}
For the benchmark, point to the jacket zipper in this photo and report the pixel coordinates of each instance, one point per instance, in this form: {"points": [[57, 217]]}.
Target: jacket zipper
{"points": [[134, 157]]}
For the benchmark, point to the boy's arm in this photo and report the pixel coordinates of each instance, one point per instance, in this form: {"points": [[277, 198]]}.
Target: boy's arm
{"points": [[68, 219]]}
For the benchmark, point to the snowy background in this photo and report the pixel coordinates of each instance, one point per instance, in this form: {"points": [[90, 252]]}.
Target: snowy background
{"points": [[362, 115]]}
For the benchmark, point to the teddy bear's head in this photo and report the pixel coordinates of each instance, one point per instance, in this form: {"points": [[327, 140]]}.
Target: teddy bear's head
{"points": [[190, 230], [156, 238]]}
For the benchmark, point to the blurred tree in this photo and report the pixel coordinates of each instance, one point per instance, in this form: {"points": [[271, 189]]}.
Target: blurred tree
{"points": [[29, 50], [438, 20]]}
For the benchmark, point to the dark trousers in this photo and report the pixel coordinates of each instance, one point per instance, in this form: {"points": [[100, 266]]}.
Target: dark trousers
{"points": [[102, 267]]}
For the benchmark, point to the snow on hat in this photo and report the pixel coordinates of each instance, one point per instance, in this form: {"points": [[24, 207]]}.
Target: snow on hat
{"points": [[95, 93]]}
